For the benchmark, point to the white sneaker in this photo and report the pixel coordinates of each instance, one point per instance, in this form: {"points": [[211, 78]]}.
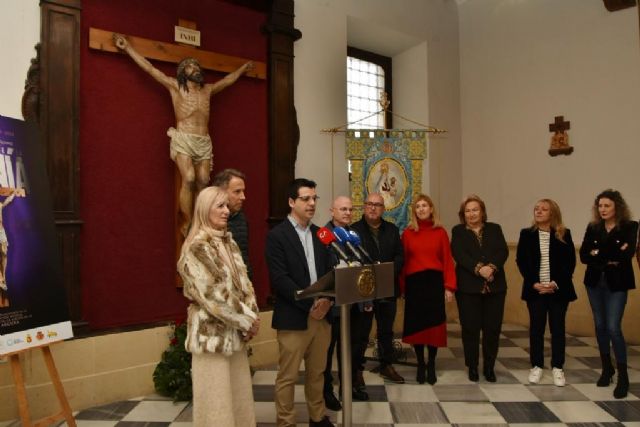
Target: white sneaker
{"points": [[535, 374], [558, 377]]}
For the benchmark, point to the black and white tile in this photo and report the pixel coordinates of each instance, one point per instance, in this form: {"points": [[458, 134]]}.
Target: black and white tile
{"points": [[454, 400]]}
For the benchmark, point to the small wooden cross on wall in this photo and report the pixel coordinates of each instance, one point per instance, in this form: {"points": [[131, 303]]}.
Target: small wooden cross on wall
{"points": [[560, 137]]}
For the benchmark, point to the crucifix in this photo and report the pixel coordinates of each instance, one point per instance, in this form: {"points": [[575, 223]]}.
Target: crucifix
{"points": [[190, 146], [560, 137]]}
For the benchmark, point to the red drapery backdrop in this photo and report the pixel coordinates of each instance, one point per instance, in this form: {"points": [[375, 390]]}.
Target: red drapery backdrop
{"points": [[127, 178]]}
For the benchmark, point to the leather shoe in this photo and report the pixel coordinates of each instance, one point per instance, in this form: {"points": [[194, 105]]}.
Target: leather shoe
{"points": [[390, 374], [489, 375], [324, 422], [420, 373], [358, 393], [473, 374], [331, 401]]}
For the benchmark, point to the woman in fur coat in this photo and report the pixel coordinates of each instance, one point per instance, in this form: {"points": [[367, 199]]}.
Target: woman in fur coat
{"points": [[222, 317]]}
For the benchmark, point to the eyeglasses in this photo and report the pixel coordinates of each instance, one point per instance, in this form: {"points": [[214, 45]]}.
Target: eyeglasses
{"points": [[374, 205], [307, 199]]}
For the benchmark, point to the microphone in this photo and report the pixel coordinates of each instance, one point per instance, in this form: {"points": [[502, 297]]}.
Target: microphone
{"points": [[355, 239], [343, 238], [328, 239]]}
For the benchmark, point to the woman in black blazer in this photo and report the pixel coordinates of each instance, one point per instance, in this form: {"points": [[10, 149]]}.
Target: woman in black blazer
{"points": [[546, 259], [480, 251], [607, 250]]}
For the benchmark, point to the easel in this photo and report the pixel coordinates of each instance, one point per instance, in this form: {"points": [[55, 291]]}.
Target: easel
{"points": [[21, 392]]}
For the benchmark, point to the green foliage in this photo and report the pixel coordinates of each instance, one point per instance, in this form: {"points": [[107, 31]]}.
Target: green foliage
{"points": [[172, 376]]}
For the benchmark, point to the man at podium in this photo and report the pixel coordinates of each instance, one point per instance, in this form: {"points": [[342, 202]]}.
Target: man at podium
{"points": [[296, 258]]}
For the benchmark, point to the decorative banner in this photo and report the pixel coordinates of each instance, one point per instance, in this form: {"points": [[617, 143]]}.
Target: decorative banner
{"points": [[389, 163], [33, 309]]}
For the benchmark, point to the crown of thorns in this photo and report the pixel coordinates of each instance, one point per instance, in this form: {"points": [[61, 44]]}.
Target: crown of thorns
{"points": [[187, 61]]}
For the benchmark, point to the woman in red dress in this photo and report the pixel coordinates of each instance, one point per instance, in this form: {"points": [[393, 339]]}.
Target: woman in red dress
{"points": [[429, 280]]}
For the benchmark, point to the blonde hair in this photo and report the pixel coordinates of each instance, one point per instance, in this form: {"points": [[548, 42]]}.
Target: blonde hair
{"points": [[555, 219], [206, 199], [413, 220]]}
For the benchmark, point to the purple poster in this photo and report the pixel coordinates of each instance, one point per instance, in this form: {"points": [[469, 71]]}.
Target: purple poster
{"points": [[33, 309]]}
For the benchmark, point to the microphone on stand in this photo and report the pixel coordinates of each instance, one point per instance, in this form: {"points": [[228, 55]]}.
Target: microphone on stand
{"points": [[355, 239], [328, 239], [343, 238]]}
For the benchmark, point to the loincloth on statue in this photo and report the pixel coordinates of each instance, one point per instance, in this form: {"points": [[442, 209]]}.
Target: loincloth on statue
{"points": [[3, 237], [197, 147]]}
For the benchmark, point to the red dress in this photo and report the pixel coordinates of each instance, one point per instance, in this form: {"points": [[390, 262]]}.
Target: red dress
{"points": [[428, 269]]}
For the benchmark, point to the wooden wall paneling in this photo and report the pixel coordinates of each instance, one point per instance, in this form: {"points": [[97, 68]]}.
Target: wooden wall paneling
{"points": [[284, 133], [59, 124]]}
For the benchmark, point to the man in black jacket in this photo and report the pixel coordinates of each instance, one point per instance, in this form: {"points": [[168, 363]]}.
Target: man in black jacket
{"points": [[232, 181], [296, 258], [381, 239]]}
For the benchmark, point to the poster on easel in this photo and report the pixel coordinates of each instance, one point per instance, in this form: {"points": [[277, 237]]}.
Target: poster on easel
{"points": [[33, 307]]}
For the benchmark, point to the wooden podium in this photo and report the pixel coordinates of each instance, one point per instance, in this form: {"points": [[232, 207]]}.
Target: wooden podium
{"points": [[349, 285]]}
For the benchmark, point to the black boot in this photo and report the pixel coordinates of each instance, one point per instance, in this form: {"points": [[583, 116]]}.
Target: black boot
{"points": [[623, 382], [431, 372], [473, 374], [420, 374], [606, 377], [489, 374]]}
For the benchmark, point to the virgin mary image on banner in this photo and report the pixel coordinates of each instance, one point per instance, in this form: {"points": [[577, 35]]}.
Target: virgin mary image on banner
{"points": [[388, 178]]}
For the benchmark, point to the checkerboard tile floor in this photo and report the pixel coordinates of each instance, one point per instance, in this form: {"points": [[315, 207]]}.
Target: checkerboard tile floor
{"points": [[454, 400]]}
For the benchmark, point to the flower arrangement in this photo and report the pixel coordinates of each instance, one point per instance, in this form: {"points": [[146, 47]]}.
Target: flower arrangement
{"points": [[172, 376]]}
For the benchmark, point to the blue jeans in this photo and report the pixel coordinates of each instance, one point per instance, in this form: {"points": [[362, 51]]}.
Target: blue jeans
{"points": [[608, 308]]}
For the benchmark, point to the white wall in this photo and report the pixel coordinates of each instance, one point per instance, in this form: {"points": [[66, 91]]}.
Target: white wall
{"points": [[524, 62], [423, 38], [19, 32]]}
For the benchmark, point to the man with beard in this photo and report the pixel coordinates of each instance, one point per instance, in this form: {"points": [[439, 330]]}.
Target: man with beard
{"points": [[296, 258], [381, 239], [190, 146]]}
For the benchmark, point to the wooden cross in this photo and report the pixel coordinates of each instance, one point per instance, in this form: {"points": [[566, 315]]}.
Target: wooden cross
{"points": [[174, 53], [559, 125], [560, 137], [168, 52]]}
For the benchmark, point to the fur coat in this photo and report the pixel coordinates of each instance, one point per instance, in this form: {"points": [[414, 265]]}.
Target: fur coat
{"points": [[222, 309]]}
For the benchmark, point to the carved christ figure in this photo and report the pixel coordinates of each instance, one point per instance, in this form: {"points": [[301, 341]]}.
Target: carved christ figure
{"points": [[190, 146]]}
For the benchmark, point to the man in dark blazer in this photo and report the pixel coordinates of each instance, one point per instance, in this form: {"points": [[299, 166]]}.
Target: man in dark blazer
{"points": [[381, 239], [296, 258]]}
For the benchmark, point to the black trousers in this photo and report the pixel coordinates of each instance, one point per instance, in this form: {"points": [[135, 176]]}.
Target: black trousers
{"points": [[481, 313], [385, 312], [555, 309], [333, 344], [360, 327]]}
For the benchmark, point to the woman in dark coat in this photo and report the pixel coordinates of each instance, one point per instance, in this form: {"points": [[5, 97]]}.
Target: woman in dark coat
{"points": [[546, 258], [607, 249], [480, 251]]}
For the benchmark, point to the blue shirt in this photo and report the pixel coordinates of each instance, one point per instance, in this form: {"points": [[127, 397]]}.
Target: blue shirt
{"points": [[306, 238]]}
